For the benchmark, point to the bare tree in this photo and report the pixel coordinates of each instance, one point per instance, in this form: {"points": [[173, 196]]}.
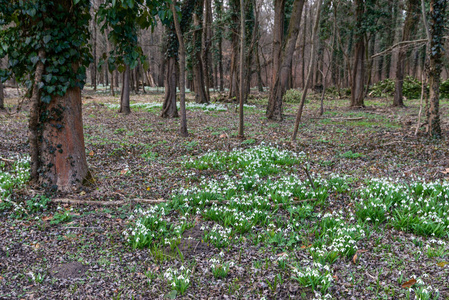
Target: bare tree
{"points": [[310, 72], [410, 22], [283, 73], [182, 68]]}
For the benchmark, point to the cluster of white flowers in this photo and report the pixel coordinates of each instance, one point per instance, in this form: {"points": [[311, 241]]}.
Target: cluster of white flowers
{"points": [[424, 291], [218, 235], [318, 276], [149, 225], [261, 160], [420, 207], [18, 176], [150, 105], [338, 237], [219, 266], [178, 279]]}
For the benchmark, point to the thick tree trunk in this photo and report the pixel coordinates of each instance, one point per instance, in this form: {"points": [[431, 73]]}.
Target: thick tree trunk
{"points": [[169, 109], [124, 100], [207, 39], [220, 65], [410, 22], [182, 68], [63, 159], [198, 70], [394, 5], [274, 109], [259, 69], [437, 19], [358, 73], [233, 82], [311, 67], [93, 73], [303, 50], [278, 35], [242, 58]]}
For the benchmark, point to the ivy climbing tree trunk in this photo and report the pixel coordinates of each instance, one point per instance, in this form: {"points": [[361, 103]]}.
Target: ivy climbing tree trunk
{"points": [[437, 19], [410, 22], [124, 99], [358, 71], [274, 109], [36, 29]]}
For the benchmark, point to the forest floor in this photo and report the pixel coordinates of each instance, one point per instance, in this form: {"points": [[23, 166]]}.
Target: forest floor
{"points": [[268, 230]]}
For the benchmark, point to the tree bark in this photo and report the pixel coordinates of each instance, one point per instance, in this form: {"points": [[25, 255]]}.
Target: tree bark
{"points": [[169, 109], [124, 100], [207, 38], [274, 109], [410, 21], [278, 34], [63, 158], [2, 96], [303, 50], [34, 120], [94, 56], [233, 82], [311, 67], [198, 70], [437, 19], [358, 73], [391, 26], [182, 68], [242, 58]]}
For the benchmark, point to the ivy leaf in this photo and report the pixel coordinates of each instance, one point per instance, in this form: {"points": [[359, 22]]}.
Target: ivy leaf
{"points": [[34, 59], [46, 99], [75, 2], [121, 68], [47, 38]]}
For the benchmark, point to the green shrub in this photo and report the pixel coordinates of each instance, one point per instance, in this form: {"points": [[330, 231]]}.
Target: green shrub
{"points": [[411, 88], [292, 96], [444, 89]]}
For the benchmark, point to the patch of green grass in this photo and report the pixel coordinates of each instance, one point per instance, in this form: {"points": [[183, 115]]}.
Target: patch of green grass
{"points": [[352, 155], [249, 142]]}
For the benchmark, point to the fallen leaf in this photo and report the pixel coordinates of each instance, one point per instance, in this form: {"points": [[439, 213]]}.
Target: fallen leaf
{"points": [[91, 153], [445, 171], [335, 277], [442, 264], [47, 218], [354, 259], [409, 283]]}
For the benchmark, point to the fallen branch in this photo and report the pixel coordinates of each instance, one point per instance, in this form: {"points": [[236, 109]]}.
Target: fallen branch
{"points": [[107, 203], [153, 201], [347, 119], [6, 160]]}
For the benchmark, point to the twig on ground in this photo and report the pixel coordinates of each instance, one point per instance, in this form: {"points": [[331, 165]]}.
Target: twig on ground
{"points": [[107, 203]]}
